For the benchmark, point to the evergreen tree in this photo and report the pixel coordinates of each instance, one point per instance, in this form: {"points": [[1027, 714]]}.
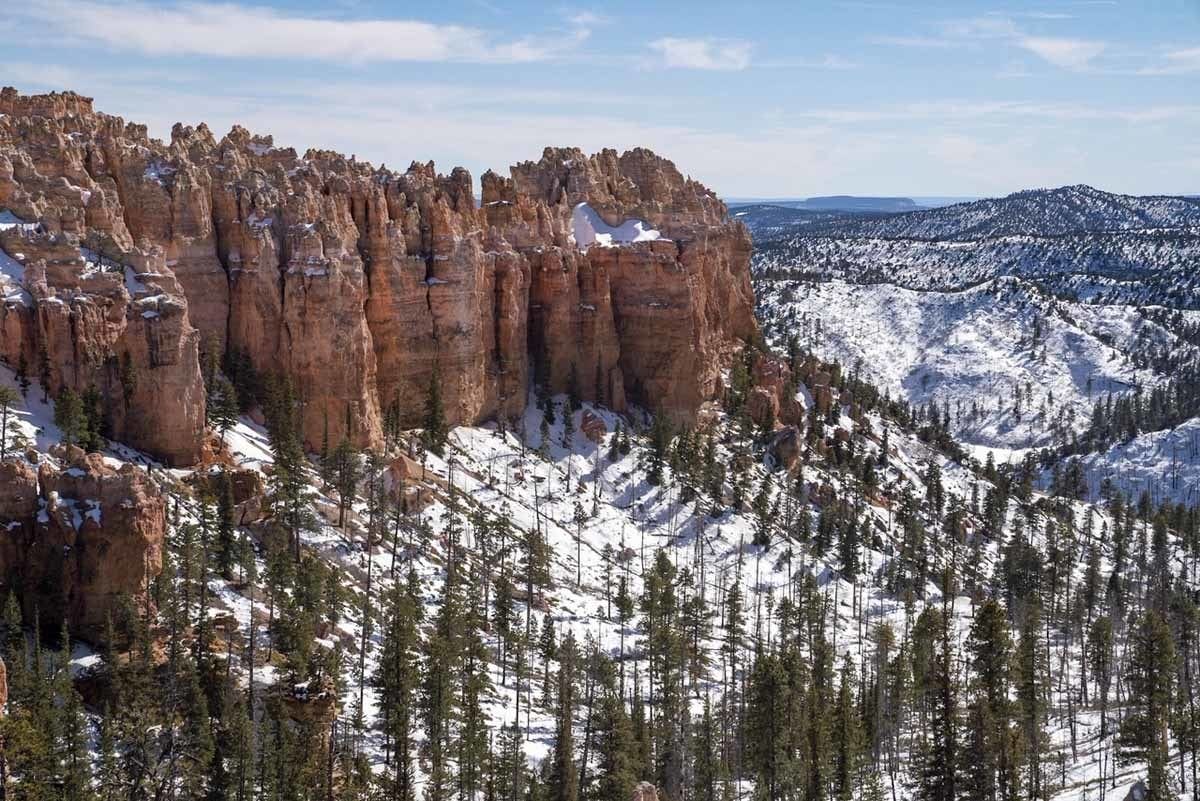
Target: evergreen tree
{"points": [[11, 436], [70, 418], [434, 422], [1144, 734], [563, 784]]}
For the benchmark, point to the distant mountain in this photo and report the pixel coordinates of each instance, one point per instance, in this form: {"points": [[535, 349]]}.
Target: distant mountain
{"points": [[769, 220], [1076, 240], [1037, 212], [850, 203]]}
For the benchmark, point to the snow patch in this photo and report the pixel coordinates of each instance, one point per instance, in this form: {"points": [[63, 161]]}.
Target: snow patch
{"points": [[590, 229]]}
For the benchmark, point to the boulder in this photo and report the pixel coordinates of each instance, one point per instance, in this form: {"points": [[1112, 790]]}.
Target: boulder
{"points": [[763, 407], [786, 447], [645, 791], [593, 427]]}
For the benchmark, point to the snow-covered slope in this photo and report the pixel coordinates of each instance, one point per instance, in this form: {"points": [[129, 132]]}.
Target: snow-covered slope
{"points": [[973, 351], [1058, 292], [602, 518], [1039, 212]]}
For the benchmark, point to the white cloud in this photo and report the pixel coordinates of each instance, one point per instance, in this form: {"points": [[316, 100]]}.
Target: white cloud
{"points": [[827, 62], [703, 54], [1066, 52], [1071, 54], [229, 30], [1175, 62], [920, 42]]}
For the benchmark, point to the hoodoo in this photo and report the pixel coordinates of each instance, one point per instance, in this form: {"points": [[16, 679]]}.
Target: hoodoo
{"points": [[129, 257]]}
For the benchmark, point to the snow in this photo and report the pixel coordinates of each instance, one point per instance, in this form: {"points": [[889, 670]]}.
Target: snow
{"points": [[10, 221], [249, 443], [970, 349], [158, 171], [496, 472], [590, 229], [1166, 463], [133, 284], [12, 279], [34, 417]]}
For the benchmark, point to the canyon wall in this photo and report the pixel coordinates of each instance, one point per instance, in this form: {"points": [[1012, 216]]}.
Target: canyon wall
{"points": [[612, 273], [81, 541]]}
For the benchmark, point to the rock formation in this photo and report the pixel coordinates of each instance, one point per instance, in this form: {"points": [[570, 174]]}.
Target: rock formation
{"points": [[611, 274], [78, 541]]}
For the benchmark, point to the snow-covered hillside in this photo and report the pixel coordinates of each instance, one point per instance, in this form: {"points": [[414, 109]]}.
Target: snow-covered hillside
{"points": [[1069, 294], [603, 521], [1039, 212], [1016, 367]]}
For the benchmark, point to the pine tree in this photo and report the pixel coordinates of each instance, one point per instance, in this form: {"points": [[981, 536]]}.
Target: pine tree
{"points": [[563, 782], [1099, 656], [397, 680], [22, 374], [44, 369], [435, 429], [1032, 693], [511, 769], [10, 432], [847, 738], [990, 710], [940, 762], [223, 406], [92, 420], [227, 543], [1144, 734], [69, 417], [615, 745], [660, 440]]}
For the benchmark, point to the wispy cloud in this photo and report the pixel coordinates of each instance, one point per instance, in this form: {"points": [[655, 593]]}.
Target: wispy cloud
{"points": [[1072, 54], [828, 62], [703, 54], [230, 30], [919, 42], [1061, 51], [1175, 62], [966, 111]]}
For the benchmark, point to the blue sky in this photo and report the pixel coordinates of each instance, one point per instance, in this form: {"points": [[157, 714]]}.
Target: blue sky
{"points": [[754, 98]]}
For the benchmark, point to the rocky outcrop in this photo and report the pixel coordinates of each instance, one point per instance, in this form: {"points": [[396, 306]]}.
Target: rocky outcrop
{"points": [[79, 541], [611, 274], [645, 791]]}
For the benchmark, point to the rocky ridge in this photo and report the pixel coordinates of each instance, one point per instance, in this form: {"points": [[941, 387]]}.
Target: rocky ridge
{"points": [[357, 282]]}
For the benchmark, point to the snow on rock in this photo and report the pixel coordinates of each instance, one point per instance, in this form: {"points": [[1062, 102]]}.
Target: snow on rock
{"points": [[589, 228], [9, 221], [12, 279]]}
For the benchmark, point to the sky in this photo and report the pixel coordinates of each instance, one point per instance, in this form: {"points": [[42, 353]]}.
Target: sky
{"points": [[756, 99]]}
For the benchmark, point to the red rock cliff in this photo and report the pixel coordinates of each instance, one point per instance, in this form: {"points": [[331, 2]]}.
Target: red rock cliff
{"points": [[360, 282], [80, 541]]}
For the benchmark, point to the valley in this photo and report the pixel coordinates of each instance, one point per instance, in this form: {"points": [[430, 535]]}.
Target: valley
{"points": [[327, 481]]}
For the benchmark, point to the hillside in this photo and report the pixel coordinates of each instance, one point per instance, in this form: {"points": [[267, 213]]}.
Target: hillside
{"points": [[605, 535], [1072, 293], [1063, 211]]}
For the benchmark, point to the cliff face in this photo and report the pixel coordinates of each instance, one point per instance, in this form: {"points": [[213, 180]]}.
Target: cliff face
{"points": [[79, 541], [358, 282]]}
